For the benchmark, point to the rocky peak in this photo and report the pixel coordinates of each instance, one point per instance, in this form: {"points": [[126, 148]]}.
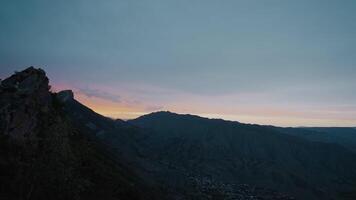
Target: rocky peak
{"points": [[26, 81], [24, 99]]}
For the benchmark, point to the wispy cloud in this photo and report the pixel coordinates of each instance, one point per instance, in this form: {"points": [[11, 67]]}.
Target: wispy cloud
{"points": [[90, 92]]}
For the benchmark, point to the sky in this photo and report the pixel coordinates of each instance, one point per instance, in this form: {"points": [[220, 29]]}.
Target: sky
{"points": [[278, 62]]}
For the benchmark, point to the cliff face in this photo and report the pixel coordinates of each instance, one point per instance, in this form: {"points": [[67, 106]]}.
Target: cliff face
{"points": [[34, 139], [43, 156], [25, 98]]}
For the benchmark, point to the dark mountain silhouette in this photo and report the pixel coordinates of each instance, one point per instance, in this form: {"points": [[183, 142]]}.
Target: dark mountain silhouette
{"points": [[240, 153], [133, 144], [53, 147]]}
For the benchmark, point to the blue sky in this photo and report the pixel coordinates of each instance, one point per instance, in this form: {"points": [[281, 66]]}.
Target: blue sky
{"points": [[283, 62]]}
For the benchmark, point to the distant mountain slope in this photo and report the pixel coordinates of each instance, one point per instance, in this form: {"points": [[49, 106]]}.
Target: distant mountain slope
{"points": [[337, 135], [239, 153], [128, 141]]}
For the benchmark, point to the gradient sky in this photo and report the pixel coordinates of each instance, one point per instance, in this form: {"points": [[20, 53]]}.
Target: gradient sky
{"points": [[287, 63]]}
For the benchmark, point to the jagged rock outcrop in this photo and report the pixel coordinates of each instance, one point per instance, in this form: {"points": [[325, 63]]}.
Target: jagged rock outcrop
{"points": [[43, 156], [34, 139], [24, 98]]}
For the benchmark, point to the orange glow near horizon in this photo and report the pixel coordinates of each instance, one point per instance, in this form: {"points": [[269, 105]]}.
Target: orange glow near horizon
{"points": [[269, 117], [102, 106], [108, 108], [264, 115]]}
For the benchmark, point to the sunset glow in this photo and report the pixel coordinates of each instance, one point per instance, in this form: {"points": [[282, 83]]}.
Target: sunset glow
{"points": [[233, 107], [288, 63]]}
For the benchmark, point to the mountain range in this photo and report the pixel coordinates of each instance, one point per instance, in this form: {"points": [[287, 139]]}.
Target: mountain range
{"points": [[54, 147]]}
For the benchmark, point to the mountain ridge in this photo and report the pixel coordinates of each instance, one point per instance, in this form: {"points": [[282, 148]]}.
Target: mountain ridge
{"points": [[255, 143], [162, 155]]}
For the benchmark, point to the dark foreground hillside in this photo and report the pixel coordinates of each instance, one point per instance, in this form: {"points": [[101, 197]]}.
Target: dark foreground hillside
{"points": [[43, 156]]}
